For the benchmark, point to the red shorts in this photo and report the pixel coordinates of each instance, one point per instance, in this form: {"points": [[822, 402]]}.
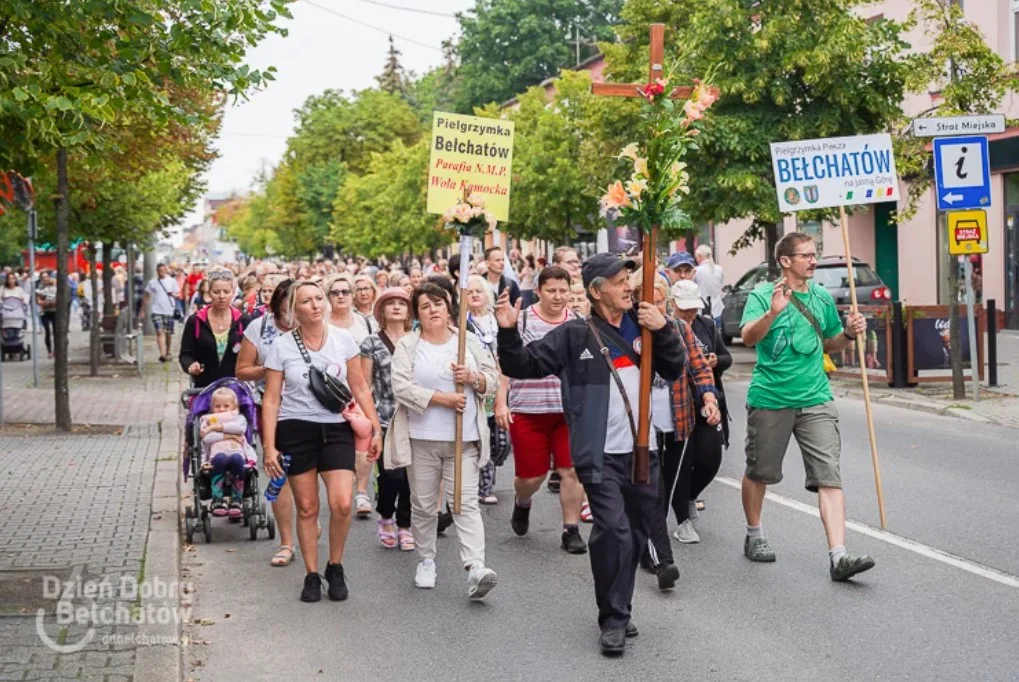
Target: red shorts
{"points": [[540, 442]]}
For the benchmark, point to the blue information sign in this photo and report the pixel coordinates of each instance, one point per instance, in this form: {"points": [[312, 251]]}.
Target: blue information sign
{"points": [[962, 172]]}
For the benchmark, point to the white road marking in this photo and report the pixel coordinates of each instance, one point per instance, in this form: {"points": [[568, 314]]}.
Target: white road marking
{"points": [[903, 543]]}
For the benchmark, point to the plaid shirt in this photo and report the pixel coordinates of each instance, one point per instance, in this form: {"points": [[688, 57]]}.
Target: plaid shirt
{"points": [[698, 380], [381, 378]]}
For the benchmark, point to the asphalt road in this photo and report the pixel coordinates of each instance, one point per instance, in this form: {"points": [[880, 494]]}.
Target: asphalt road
{"points": [[948, 484]]}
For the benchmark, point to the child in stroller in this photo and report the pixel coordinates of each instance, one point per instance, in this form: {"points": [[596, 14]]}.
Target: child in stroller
{"points": [[220, 458], [225, 452]]}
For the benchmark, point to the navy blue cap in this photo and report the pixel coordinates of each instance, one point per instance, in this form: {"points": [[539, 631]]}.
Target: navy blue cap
{"points": [[681, 258]]}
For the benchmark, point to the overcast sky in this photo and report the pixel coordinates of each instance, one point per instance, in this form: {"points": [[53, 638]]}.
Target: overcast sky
{"points": [[323, 51]]}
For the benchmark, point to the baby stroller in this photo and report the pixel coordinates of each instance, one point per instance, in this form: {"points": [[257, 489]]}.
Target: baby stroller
{"points": [[197, 517], [14, 314]]}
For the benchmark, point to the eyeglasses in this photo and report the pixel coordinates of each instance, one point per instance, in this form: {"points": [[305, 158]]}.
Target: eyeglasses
{"points": [[808, 256], [339, 292], [219, 274], [362, 290]]}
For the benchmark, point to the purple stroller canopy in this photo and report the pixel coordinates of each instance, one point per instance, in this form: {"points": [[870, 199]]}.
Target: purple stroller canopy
{"points": [[201, 405]]}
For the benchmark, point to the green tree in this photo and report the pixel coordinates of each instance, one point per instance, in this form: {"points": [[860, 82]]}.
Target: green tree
{"points": [[509, 45], [787, 70], [383, 212], [971, 77], [336, 136], [69, 70], [559, 158], [393, 79], [437, 89]]}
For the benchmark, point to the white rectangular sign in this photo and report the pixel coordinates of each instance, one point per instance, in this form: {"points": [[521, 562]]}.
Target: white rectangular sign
{"points": [[958, 125], [834, 171]]}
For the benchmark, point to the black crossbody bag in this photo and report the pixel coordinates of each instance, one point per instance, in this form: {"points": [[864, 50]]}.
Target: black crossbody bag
{"points": [[333, 394]]}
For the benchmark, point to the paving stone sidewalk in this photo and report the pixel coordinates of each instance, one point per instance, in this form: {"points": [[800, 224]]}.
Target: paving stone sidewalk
{"points": [[80, 508], [999, 405]]}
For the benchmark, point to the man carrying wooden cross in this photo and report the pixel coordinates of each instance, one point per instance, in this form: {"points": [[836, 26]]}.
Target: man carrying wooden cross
{"points": [[596, 360]]}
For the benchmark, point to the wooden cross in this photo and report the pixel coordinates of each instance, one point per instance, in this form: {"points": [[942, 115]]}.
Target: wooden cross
{"points": [[642, 460]]}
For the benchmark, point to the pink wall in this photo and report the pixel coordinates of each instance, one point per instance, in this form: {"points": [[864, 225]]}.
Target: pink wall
{"points": [[736, 266]]}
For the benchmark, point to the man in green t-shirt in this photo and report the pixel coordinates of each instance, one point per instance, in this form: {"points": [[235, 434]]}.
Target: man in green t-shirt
{"points": [[793, 323]]}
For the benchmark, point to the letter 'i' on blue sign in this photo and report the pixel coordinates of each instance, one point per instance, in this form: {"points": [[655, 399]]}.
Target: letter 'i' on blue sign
{"points": [[962, 172]]}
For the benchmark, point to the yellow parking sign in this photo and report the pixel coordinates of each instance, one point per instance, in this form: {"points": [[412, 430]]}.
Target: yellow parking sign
{"points": [[967, 232]]}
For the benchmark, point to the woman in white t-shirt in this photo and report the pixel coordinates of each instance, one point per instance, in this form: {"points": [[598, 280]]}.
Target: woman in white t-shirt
{"points": [[342, 314], [258, 339], [422, 433], [318, 441]]}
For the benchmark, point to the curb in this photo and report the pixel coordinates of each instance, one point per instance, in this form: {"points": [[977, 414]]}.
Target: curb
{"points": [[918, 406], [904, 402], [161, 659]]}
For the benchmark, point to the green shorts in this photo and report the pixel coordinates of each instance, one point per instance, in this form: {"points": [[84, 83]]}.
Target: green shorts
{"points": [[817, 433]]}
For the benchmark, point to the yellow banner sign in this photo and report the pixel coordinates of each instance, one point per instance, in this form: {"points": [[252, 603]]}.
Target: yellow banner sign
{"points": [[472, 153], [967, 232]]}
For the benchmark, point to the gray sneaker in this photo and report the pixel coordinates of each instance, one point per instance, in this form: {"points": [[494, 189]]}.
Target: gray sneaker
{"points": [[757, 549], [687, 534], [849, 565]]}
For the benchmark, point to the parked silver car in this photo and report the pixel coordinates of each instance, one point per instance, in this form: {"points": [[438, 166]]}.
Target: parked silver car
{"points": [[831, 273]]}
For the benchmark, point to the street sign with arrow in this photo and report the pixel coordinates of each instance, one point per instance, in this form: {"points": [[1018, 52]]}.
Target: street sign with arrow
{"points": [[943, 126], [962, 172]]}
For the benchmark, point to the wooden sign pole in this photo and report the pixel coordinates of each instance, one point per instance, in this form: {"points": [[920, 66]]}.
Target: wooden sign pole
{"points": [[461, 351], [861, 354], [641, 472]]}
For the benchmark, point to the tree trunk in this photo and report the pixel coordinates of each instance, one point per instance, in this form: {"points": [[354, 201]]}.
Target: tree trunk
{"points": [[95, 329], [60, 382], [107, 278]]}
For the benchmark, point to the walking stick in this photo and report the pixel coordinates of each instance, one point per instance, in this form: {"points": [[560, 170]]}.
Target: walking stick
{"points": [[861, 354]]}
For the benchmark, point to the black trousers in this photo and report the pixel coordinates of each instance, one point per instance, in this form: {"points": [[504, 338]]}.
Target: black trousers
{"points": [[394, 494], [622, 513], [700, 464], [49, 320]]}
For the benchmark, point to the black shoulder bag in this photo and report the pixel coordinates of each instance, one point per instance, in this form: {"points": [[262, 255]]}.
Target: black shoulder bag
{"points": [[178, 313], [333, 394], [615, 375]]}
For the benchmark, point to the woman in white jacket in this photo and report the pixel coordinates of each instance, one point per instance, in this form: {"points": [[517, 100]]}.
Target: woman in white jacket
{"points": [[422, 432]]}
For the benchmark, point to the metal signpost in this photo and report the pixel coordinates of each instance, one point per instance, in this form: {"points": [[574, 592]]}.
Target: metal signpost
{"points": [[967, 235], [962, 173], [33, 234]]}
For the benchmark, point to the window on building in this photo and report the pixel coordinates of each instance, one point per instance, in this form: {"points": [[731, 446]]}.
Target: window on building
{"points": [[815, 229], [1015, 30]]}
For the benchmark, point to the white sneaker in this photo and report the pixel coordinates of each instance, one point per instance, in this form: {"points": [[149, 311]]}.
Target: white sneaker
{"points": [[480, 581], [687, 534], [425, 576]]}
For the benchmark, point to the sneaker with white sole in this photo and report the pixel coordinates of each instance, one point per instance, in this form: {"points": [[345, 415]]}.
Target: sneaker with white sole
{"points": [[425, 576], [686, 533], [480, 582]]}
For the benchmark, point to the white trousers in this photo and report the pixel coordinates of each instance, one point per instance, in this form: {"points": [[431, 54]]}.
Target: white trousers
{"points": [[431, 464]]}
